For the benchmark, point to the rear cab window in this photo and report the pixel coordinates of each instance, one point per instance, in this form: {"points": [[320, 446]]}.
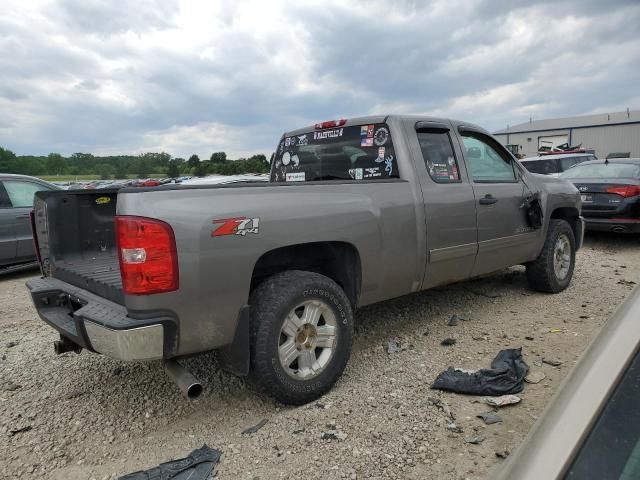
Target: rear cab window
{"points": [[545, 167], [354, 152]]}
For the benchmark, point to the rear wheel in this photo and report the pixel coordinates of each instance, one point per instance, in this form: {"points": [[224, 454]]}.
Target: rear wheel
{"points": [[553, 269], [302, 326]]}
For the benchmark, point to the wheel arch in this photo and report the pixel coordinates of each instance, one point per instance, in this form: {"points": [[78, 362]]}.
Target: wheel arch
{"points": [[571, 215], [339, 261]]}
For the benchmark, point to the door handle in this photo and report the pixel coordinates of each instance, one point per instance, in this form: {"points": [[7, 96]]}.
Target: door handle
{"points": [[21, 217], [488, 200]]}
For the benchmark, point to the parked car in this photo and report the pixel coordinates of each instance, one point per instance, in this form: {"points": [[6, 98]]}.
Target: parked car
{"points": [[610, 192], [591, 428], [269, 274], [16, 200], [554, 165], [226, 179]]}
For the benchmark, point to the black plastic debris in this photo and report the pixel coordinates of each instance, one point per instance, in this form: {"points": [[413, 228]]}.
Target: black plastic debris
{"points": [[255, 428], [505, 376], [447, 342], [197, 466]]}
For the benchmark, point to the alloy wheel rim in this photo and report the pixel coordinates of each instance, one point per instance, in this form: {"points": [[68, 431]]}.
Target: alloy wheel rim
{"points": [[562, 257], [307, 339]]}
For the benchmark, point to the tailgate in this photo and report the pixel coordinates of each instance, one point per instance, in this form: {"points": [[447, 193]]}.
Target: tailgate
{"points": [[76, 239]]}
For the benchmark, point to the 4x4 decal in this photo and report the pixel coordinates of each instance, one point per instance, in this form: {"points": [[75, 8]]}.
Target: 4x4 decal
{"points": [[235, 226]]}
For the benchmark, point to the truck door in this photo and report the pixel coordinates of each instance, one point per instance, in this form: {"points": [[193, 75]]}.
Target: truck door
{"points": [[449, 203], [504, 235], [20, 193]]}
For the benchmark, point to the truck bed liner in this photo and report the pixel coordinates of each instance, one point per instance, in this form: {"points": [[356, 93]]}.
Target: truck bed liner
{"points": [[99, 274]]}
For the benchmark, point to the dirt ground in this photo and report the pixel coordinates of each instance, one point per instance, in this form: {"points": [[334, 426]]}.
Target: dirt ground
{"points": [[86, 416]]}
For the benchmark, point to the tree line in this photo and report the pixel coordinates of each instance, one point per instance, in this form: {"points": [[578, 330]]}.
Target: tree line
{"points": [[123, 166]]}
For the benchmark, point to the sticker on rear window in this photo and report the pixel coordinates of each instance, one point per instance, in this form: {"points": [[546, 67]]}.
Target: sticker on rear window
{"points": [[381, 136], [102, 200], [327, 134], [295, 177]]}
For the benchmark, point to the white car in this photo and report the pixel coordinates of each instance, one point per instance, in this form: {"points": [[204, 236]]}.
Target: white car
{"points": [[225, 179], [554, 165]]}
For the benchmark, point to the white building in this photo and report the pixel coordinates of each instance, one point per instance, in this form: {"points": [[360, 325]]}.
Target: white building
{"points": [[604, 133]]}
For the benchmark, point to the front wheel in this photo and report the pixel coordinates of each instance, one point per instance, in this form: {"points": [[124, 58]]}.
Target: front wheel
{"points": [[301, 331], [553, 269]]}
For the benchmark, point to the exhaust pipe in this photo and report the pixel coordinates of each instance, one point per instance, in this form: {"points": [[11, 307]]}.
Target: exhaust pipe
{"points": [[187, 383]]}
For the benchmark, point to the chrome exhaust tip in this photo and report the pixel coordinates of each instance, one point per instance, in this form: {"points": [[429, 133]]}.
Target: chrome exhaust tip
{"points": [[186, 382]]}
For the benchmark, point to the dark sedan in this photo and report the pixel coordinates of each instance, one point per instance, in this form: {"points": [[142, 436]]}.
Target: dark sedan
{"points": [[610, 192]]}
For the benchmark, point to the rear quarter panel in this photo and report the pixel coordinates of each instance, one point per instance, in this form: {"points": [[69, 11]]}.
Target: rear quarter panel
{"points": [[377, 218]]}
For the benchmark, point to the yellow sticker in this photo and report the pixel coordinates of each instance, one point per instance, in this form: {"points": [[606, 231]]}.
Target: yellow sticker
{"points": [[102, 200]]}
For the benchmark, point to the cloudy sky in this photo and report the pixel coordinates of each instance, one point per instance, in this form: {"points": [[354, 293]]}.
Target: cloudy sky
{"points": [[181, 76]]}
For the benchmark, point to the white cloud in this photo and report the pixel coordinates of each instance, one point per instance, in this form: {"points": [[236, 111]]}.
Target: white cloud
{"points": [[112, 76]]}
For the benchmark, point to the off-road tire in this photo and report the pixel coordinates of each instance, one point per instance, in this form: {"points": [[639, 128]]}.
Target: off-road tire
{"points": [[270, 302], [540, 272]]}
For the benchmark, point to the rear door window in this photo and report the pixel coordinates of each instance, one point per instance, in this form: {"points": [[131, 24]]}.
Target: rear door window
{"points": [[359, 152], [438, 156]]}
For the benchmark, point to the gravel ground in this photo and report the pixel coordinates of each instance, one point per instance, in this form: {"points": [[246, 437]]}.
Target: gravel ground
{"points": [[85, 416]]}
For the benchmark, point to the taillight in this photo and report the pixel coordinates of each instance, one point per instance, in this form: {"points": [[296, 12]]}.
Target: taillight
{"points": [[625, 190], [147, 254], [330, 124]]}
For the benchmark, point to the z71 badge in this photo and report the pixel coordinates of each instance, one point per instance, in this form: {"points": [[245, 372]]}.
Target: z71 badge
{"points": [[235, 226]]}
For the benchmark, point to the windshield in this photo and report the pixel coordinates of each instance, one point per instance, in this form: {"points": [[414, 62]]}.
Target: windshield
{"points": [[361, 152], [603, 170]]}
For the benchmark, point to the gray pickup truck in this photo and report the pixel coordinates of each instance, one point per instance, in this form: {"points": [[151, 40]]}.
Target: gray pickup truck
{"points": [[357, 211]]}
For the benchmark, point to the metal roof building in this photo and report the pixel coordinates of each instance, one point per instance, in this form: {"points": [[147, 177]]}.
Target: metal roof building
{"points": [[603, 132]]}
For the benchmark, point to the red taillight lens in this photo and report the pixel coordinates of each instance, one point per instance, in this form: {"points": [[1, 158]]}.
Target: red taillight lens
{"points": [[330, 124], [625, 190], [147, 254]]}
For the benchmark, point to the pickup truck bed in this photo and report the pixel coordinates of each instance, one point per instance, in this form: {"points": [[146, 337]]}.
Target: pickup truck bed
{"points": [[80, 241]]}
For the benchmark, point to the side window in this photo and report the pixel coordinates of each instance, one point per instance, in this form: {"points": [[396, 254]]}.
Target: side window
{"points": [[566, 163], [438, 156], [486, 163], [21, 192]]}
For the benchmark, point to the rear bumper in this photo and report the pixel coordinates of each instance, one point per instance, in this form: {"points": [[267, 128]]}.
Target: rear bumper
{"points": [[100, 325], [618, 225]]}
